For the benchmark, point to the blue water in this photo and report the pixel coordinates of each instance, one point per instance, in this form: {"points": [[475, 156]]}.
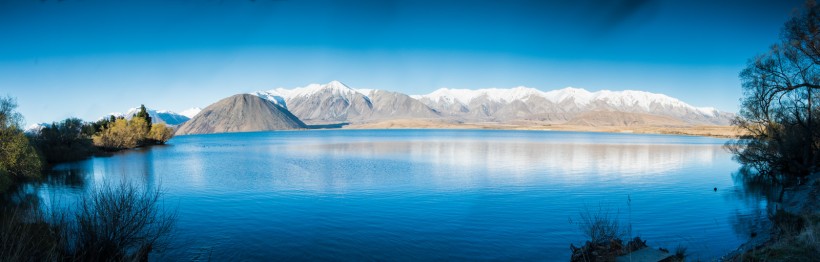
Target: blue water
{"points": [[360, 195]]}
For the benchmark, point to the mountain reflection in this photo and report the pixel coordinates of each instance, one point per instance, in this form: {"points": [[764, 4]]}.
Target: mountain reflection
{"points": [[479, 190], [520, 157]]}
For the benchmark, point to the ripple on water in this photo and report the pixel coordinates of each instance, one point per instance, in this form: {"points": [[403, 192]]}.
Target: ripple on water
{"points": [[428, 194]]}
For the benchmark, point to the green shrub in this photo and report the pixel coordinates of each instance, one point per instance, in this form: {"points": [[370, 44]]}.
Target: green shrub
{"points": [[69, 140], [18, 158]]}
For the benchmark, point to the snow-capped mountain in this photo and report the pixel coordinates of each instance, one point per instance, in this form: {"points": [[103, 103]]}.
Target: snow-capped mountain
{"points": [[157, 116], [35, 128], [190, 112], [335, 102], [523, 103], [280, 96], [465, 96]]}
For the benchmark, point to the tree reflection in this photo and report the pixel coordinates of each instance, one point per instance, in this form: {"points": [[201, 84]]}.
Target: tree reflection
{"points": [[757, 192], [74, 175]]}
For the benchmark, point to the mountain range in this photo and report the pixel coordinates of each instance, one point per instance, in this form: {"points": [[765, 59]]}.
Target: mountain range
{"points": [[564, 105], [337, 103]]}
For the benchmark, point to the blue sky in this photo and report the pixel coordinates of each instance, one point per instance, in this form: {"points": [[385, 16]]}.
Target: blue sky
{"points": [[88, 58]]}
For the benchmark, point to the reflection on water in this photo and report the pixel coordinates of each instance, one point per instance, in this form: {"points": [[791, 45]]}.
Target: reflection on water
{"points": [[528, 157], [72, 175], [427, 194], [756, 192]]}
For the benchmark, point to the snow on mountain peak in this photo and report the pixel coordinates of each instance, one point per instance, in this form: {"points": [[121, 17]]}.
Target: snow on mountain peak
{"points": [[190, 112], [568, 96], [334, 87], [274, 95], [464, 96], [335, 84], [134, 110], [451, 95], [578, 96], [709, 111], [35, 128], [280, 95], [641, 99], [158, 116]]}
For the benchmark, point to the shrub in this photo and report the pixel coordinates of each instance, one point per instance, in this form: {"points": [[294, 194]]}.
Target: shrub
{"points": [[599, 225], [120, 223], [69, 140], [26, 235], [122, 134], [18, 159], [160, 133]]}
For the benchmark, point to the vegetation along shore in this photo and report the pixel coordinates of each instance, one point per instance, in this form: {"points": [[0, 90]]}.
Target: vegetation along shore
{"points": [[114, 222]]}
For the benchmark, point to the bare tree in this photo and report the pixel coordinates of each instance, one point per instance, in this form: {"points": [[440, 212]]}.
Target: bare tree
{"points": [[778, 105]]}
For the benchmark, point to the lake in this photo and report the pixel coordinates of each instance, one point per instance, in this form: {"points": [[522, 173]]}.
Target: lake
{"points": [[362, 195]]}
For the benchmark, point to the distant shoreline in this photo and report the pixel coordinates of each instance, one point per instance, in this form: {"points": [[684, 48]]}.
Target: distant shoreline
{"points": [[695, 130]]}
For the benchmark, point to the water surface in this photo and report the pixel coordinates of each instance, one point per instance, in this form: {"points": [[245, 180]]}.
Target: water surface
{"points": [[427, 194]]}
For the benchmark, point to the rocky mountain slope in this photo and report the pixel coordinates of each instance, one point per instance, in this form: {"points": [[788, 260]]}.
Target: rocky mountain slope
{"points": [[241, 113], [558, 106], [335, 102]]}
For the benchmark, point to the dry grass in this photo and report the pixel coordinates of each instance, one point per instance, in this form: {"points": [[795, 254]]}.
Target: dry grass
{"points": [[799, 240]]}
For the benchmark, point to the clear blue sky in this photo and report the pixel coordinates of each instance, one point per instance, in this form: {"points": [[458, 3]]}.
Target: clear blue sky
{"points": [[88, 58]]}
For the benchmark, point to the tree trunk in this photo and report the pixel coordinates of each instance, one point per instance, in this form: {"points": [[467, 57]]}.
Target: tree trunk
{"points": [[810, 144]]}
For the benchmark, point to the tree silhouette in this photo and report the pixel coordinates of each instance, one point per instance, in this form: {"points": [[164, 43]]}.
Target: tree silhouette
{"points": [[778, 108]]}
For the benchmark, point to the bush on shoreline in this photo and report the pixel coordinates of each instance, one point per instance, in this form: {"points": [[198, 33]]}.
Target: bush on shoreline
{"points": [[72, 139], [119, 133], [122, 223], [18, 158], [69, 140], [113, 223], [600, 226]]}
